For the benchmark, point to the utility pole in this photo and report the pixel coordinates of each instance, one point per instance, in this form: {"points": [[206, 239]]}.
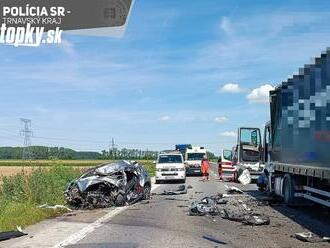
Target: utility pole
{"points": [[113, 148], [27, 133]]}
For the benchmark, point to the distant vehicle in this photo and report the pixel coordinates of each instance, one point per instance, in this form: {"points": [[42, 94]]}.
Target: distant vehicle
{"points": [[193, 159], [297, 138], [229, 171], [247, 154], [170, 166], [182, 148]]}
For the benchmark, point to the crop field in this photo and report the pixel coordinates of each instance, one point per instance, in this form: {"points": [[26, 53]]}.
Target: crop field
{"points": [[13, 167]]}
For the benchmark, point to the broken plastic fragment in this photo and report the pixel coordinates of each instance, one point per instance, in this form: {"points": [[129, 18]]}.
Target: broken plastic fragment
{"points": [[245, 177], [310, 237], [210, 238], [55, 207]]}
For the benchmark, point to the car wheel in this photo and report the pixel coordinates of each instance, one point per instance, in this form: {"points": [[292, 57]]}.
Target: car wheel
{"points": [[146, 192], [120, 200]]}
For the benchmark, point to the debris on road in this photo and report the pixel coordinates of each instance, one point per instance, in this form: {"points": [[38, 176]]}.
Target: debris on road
{"points": [[181, 189], [233, 190], [12, 234], [114, 184], [242, 209], [310, 237], [213, 240], [245, 177], [55, 207], [207, 205], [174, 199]]}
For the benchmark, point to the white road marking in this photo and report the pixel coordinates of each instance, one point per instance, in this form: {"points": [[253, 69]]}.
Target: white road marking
{"points": [[82, 233]]}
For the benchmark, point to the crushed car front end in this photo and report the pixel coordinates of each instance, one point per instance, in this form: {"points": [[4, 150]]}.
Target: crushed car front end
{"points": [[113, 184]]}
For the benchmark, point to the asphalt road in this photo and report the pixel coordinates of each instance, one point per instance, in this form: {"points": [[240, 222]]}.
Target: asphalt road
{"points": [[164, 222]]}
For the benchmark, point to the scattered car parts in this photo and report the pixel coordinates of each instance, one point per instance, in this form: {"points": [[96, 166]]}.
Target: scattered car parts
{"points": [[310, 237], [113, 184], [210, 238], [233, 208], [245, 177], [233, 190]]}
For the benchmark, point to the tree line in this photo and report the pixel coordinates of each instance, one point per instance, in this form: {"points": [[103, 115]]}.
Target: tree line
{"points": [[47, 153]]}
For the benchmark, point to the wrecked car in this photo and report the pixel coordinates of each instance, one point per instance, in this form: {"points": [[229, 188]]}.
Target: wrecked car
{"points": [[113, 184]]}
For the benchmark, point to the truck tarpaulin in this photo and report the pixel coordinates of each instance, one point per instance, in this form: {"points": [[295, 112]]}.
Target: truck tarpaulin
{"points": [[300, 116]]}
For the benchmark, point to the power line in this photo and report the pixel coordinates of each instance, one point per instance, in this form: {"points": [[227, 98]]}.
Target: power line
{"points": [[27, 133]]}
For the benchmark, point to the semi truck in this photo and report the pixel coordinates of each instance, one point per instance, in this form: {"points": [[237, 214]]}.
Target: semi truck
{"points": [[247, 153], [297, 137]]}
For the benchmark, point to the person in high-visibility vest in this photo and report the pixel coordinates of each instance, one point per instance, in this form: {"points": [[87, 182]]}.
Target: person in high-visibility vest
{"points": [[205, 168]]}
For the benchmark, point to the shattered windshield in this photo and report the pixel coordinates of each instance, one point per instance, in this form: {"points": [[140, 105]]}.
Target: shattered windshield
{"points": [[112, 168], [195, 156], [169, 159]]}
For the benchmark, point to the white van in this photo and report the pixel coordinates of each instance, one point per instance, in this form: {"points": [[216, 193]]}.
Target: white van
{"points": [[170, 166]]}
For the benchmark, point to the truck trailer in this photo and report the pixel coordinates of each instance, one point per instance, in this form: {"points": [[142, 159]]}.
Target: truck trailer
{"points": [[297, 138]]}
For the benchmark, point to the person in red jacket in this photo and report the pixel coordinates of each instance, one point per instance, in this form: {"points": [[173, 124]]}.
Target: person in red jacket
{"points": [[205, 168], [220, 169]]}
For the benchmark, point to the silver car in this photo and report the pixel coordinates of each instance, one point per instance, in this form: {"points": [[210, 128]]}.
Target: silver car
{"points": [[113, 184]]}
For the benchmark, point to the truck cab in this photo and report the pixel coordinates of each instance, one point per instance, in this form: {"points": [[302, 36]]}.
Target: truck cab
{"points": [[193, 159], [248, 152], [170, 166]]}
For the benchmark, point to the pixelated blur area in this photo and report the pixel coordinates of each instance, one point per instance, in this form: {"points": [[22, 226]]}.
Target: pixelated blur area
{"points": [[300, 108]]}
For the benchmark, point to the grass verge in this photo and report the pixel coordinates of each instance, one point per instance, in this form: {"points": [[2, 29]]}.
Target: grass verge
{"points": [[21, 195]]}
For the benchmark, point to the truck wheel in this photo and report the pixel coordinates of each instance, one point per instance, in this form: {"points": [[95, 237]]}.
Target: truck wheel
{"points": [[157, 182], [288, 190]]}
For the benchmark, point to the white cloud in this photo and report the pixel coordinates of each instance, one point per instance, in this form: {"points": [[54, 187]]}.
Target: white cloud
{"points": [[231, 88], [67, 47], [220, 119], [228, 134], [165, 118], [225, 25], [260, 94]]}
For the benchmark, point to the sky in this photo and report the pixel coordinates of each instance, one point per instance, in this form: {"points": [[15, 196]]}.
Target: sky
{"points": [[184, 72]]}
